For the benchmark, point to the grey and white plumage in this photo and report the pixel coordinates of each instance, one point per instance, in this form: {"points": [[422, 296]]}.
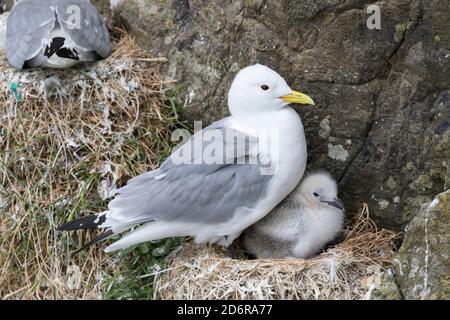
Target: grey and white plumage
{"points": [[309, 218], [215, 202], [45, 33]]}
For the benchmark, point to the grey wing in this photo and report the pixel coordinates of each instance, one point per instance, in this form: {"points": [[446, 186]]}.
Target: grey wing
{"points": [[91, 34], [26, 32], [202, 193]]}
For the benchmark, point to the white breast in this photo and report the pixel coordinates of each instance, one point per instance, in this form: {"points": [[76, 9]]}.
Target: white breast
{"points": [[56, 62], [321, 226]]}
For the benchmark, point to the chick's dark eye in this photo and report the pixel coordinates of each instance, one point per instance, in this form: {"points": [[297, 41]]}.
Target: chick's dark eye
{"points": [[265, 87], [315, 194]]}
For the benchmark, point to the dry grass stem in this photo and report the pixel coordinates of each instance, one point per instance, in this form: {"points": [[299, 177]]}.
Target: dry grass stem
{"points": [[341, 272], [67, 139]]}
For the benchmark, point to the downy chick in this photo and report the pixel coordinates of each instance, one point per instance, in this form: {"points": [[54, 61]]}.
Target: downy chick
{"points": [[300, 226]]}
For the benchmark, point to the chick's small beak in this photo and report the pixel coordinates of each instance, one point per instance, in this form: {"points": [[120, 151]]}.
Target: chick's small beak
{"points": [[336, 203], [298, 97]]}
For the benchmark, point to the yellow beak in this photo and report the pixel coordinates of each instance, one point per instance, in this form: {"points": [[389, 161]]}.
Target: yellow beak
{"points": [[298, 97]]}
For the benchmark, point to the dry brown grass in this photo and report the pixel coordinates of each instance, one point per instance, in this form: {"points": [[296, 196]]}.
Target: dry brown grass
{"points": [[73, 136], [342, 272]]}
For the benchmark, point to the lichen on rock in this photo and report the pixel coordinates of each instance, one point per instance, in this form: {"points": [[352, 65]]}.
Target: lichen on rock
{"points": [[382, 286], [422, 266]]}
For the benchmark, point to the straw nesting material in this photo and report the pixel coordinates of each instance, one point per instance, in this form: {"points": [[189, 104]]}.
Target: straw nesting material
{"points": [[68, 138], [341, 272]]}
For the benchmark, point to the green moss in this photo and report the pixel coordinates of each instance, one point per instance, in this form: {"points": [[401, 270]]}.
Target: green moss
{"points": [[413, 204], [400, 30], [444, 282], [444, 204], [438, 172], [426, 236], [422, 182], [426, 181], [391, 183], [168, 23], [329, 18], [387, 288], [388, 292], [253, 3], [410, 165]]}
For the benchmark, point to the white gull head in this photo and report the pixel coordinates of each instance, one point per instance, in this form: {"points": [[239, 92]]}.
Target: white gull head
{"points": [[259, 89]]}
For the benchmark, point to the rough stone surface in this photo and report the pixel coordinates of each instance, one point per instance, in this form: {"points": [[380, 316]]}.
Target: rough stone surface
{"points": [[6, 5], [383, 287], [422, 266], [381, 124]]}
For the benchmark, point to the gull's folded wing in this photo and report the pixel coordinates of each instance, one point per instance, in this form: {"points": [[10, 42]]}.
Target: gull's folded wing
{"points": [[197, 193], [25, 32], [92, 34]]}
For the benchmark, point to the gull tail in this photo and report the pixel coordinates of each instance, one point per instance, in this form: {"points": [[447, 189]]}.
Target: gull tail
{"points": [[149, 232], [104, 236], [95, 221]]}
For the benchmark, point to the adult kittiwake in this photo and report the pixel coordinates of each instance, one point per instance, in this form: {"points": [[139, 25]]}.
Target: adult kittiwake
{"points": [[55, 34], [300, 226], [224, 179]]}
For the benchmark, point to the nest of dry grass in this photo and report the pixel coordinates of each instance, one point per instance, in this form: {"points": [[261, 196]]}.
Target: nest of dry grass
{"points": [[344, 271], [67, 139]]}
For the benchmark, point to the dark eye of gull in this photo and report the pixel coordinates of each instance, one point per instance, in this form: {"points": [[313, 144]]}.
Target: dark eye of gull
{"points": [[265, 87], [315, 194]]}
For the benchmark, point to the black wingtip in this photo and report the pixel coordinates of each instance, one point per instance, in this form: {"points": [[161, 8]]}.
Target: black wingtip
{"points": [[105, 235], [56, 44], [86, 223]]}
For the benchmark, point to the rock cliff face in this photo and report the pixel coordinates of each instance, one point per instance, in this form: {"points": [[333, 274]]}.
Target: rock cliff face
{"points": [[6, 5], [381, 124], [423, 264]]}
